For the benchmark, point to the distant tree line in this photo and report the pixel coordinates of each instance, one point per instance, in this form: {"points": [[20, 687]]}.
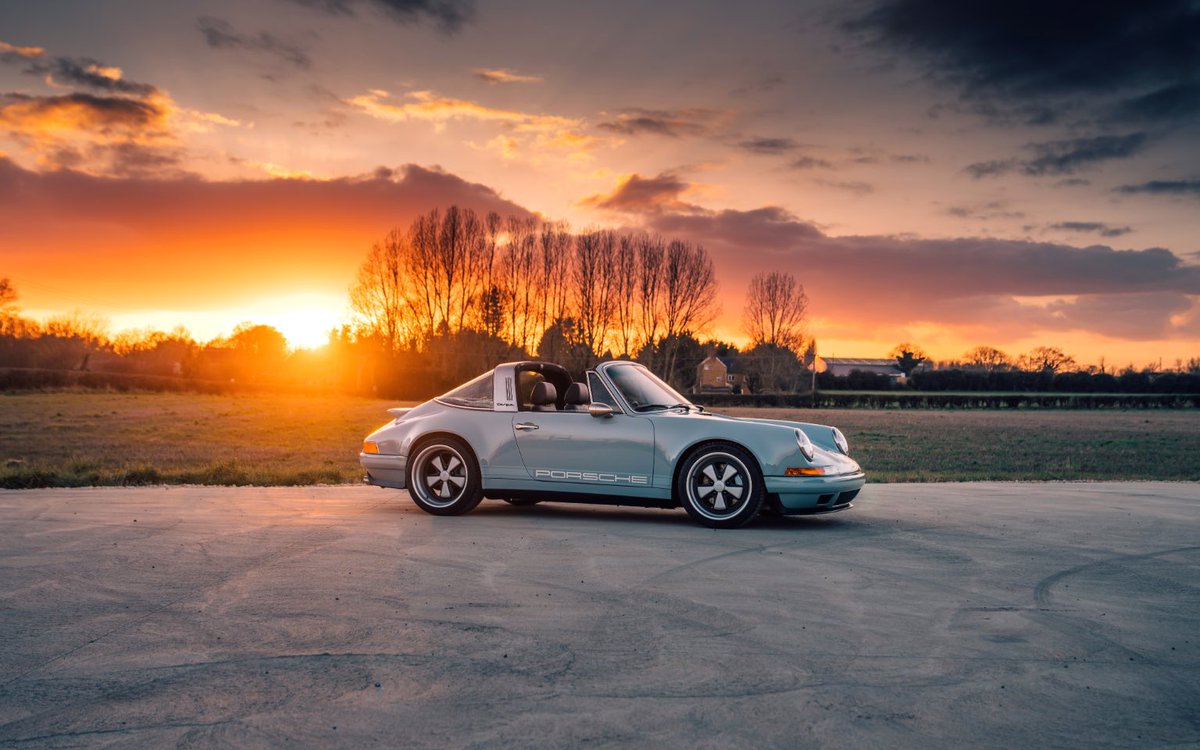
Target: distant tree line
{"points": [[1042, 369]]}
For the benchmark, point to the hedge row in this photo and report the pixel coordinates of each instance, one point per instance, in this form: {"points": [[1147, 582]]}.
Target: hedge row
{"points": [[27, 379], [917, 400]]}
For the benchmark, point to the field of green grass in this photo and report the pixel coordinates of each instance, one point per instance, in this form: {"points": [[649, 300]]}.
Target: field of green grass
{"points": [[77, 438]]}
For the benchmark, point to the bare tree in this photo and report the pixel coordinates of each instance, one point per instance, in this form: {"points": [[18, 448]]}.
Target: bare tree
{"points": [[520, 283], [625, 287], [594, 284], [85, 334], [689, 294], [988, 359], [378, 296], [8, 295], [556, 246], [776, 307], [651, 253], [1046, 359]]}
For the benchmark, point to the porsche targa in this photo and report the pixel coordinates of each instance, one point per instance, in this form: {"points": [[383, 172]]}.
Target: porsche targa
{"points": [[524, 432]]}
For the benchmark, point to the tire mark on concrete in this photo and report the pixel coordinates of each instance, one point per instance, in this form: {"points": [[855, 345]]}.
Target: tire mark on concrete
{"points": [[1042, 591]]}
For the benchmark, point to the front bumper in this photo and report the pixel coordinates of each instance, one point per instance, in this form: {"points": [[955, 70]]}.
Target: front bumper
{"points": [[800, 495], [384, 470]]}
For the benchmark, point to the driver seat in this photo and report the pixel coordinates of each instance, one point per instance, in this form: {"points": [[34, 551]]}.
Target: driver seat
{"points": [[578, 398], [544, 396]]}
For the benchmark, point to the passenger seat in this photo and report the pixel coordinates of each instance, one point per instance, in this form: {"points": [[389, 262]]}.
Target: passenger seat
{"points": [[578, 398]]}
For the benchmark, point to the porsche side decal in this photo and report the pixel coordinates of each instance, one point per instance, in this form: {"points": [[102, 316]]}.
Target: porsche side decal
{"points": [[591, 476]]}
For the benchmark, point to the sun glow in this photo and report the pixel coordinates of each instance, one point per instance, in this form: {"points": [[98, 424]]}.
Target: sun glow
{"points": [[304, 319]]}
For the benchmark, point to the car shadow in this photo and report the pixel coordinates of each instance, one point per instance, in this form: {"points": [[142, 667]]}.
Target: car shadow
{"points": [[661, 516]]}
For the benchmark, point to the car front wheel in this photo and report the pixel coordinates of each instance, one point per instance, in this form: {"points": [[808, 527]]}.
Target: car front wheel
{"points": [[443, 478], [721, 486]]}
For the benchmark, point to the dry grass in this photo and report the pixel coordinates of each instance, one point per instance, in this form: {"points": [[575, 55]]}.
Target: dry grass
{"points": [[84, 438], [959, 445]]}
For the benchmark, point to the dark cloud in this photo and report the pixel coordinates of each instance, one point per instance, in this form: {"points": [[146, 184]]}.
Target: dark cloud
{"points": [[670, 123], [109, 134], [1067, 156], [857, 187], [30, 115], [220, 34], [909, 159], [769, 146], [981, 169], [1174, 102], [1064, 156], [74, 71], [1164, 187], [963, 282], [1126, 316], [642, 195], [1098, 227], [1016, 52], [989, 211], [764, 228], [448, 15], [810, 162], [279, 234], [84, 71]]}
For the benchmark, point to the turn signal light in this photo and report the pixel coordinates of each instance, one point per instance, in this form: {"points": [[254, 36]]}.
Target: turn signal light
{"points": [[804, 471], [369, 447]]}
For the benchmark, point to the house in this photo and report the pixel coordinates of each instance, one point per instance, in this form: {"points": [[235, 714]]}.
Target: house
{"points": [[720, 375], [842, 366]]}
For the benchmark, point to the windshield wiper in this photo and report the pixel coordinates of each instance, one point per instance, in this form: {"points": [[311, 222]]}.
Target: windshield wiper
{"points": [[648, 407]]}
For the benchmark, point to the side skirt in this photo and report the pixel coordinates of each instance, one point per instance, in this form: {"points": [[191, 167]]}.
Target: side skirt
{"points": [[579, 497]]}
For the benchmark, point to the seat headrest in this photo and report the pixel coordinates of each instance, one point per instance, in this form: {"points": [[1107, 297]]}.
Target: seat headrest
{"points": [[577, 393], [544, 394]]}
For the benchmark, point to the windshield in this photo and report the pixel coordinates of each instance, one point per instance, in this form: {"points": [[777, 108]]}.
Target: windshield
{"points": [[643, 390]]}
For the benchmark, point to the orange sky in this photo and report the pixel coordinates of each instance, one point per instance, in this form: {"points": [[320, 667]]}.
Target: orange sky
{"points": [[235, 164]]}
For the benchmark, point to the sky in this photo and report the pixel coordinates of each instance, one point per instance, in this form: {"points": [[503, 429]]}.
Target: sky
{"points": [[1003, 173]]}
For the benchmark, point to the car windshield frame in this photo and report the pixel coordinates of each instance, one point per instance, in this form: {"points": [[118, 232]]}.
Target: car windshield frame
{"points": [[472, 394], [644, 391]]}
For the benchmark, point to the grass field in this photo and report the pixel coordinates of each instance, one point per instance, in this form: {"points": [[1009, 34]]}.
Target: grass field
{"points": [[84, 438]]}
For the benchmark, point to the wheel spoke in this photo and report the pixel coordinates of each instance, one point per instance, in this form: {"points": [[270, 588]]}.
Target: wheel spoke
{"points": [[729, 472], [704, 490], [734, 490], [719, 503], [708, 472], [437, 464], [460, 481], [445, 491], [454, 462]]}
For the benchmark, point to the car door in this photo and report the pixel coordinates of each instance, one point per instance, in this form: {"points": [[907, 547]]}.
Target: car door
{"points": [[565, 447]]}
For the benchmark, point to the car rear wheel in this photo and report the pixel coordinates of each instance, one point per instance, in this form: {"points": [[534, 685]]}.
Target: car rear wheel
{"points": [[721, 486], [443, 478]]}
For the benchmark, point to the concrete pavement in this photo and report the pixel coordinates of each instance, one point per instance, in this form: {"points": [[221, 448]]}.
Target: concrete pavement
{"points": [[987, 614]]}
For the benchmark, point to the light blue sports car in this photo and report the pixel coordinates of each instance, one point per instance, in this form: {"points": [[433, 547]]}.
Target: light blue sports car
{"points": [[524, 433]]}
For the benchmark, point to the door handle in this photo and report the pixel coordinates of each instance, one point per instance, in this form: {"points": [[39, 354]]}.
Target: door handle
{"points": [[525, 426]]}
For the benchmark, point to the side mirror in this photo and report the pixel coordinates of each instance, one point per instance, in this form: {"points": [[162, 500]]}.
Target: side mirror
{"points": [[600, 411]]}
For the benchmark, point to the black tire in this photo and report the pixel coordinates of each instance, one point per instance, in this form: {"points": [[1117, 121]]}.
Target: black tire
{"points": [[443, 477], [520, 501], [721, 486]]}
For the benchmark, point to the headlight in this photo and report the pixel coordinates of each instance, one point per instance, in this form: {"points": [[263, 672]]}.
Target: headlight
{"points": [[840, 440], [806, 446]]}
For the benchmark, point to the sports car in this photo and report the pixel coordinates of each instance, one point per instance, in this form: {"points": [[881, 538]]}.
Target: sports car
{"points": [[525, 432]]}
